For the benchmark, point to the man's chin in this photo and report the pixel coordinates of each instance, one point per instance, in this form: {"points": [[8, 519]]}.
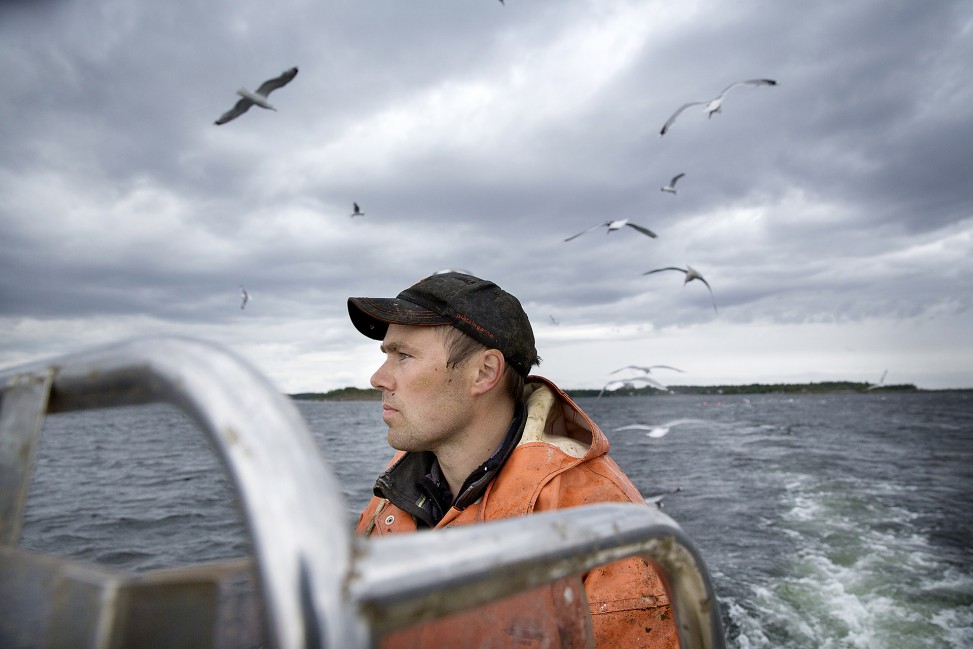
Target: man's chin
{"points": [[399, 442]]}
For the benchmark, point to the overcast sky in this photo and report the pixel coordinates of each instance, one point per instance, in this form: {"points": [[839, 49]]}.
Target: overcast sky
{"points": [[832, 214]]}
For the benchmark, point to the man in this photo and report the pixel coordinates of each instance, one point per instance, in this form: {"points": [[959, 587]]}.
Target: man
{"points": [[479, 440]]}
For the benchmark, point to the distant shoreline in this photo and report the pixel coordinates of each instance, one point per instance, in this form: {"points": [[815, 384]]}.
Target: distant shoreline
{"points": [[360, 394]]}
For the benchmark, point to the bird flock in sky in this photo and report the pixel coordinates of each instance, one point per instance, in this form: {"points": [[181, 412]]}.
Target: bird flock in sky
{"points": [[260, 98], [710, 107], [643, 378]]}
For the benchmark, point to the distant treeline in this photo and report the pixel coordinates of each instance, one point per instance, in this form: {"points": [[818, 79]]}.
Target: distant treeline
{"points": [[358, 394], [753, 388], [344, 394]]}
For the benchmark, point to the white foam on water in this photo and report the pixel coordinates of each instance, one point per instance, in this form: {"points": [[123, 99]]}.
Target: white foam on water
{"points": [[863, 577], [957, 626]]}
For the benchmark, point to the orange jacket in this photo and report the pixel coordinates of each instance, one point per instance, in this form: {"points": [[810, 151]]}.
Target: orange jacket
{"points": [[561, 461]]}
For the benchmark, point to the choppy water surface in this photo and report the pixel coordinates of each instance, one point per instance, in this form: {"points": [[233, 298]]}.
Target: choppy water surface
{"points": [[826, 520]]}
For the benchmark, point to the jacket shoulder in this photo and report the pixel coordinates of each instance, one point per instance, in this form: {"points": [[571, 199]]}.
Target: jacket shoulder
{"points": [[604, 480]]}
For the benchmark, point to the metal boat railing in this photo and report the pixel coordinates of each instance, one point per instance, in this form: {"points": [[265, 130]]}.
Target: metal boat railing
{"points": [[315, 583]]}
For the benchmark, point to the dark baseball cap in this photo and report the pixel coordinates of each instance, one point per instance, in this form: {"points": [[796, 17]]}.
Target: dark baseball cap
{"points": [[477, 307]]}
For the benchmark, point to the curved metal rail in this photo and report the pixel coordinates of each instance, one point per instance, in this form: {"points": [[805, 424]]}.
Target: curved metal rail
{"points": [[323, 587]]}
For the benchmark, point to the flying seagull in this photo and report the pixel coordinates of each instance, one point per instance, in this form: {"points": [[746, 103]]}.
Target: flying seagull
{"points": [[714, 105], [646, 369], [880, 383], [661, 430], [657, 498], [244, 297], [671, 187], [691, 274], [611, 386], [259, 98], [615, 225], [357, 211]]}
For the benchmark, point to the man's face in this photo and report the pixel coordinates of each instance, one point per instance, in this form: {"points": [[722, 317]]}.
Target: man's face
{"points": [[424, 402]]}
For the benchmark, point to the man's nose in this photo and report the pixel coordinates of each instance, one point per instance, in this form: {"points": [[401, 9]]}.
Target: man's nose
{"points": [[380, 379]]}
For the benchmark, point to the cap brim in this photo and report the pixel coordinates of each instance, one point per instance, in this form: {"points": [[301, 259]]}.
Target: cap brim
{"points": [[373, 315]]}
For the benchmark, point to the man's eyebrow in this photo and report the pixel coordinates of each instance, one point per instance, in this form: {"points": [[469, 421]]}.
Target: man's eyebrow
{"points": [[390, 347]]}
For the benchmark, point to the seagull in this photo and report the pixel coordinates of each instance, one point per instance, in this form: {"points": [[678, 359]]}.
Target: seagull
{"points": [[616, 225], [657, 499], [671, 187], [357, 211], [244, 297], [647, 370], [553, 320], [880, 383], [691, 274], [259, 98], [661, 430], [714, 105], [611, 386]]}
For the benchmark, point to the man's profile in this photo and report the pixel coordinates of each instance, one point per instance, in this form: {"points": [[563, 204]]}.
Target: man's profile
{"points": [[480, 439]]}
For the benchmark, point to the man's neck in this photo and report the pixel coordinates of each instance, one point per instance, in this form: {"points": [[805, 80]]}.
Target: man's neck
{"points": [[478, 442]]}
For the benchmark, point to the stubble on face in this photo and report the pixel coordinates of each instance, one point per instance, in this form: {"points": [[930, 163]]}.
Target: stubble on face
{"points": [[425, 404]]}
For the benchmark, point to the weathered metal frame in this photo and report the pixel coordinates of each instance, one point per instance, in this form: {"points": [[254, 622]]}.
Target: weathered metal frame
{"points": [[321, 586]]}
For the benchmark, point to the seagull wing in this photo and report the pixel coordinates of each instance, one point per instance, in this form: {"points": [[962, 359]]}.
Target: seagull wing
{"points": [[675, 179], [631, 383], [659, 270], [654, 431], [611, 386], [661, 429], [594, 227], [271, 85], [643, 230], [648, 379], [669, 367], [713, 297], [628, 367], [672, 118], [657, 498], [634, 427], [241, 107], [642, 368], [880, 383], [749, 82], [648, 368]]}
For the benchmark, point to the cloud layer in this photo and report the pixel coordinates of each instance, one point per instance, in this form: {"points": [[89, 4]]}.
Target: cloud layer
{"points": [[832, 214]]}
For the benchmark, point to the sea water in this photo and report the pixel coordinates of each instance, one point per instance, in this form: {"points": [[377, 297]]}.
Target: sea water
{"points": [[833, 520]]}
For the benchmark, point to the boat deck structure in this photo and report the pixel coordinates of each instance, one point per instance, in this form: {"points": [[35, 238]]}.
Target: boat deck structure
{"points": [[309, 582]]}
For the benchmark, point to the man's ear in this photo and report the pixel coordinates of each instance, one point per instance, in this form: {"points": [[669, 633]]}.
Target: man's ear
{"points": [[489, 371]]}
